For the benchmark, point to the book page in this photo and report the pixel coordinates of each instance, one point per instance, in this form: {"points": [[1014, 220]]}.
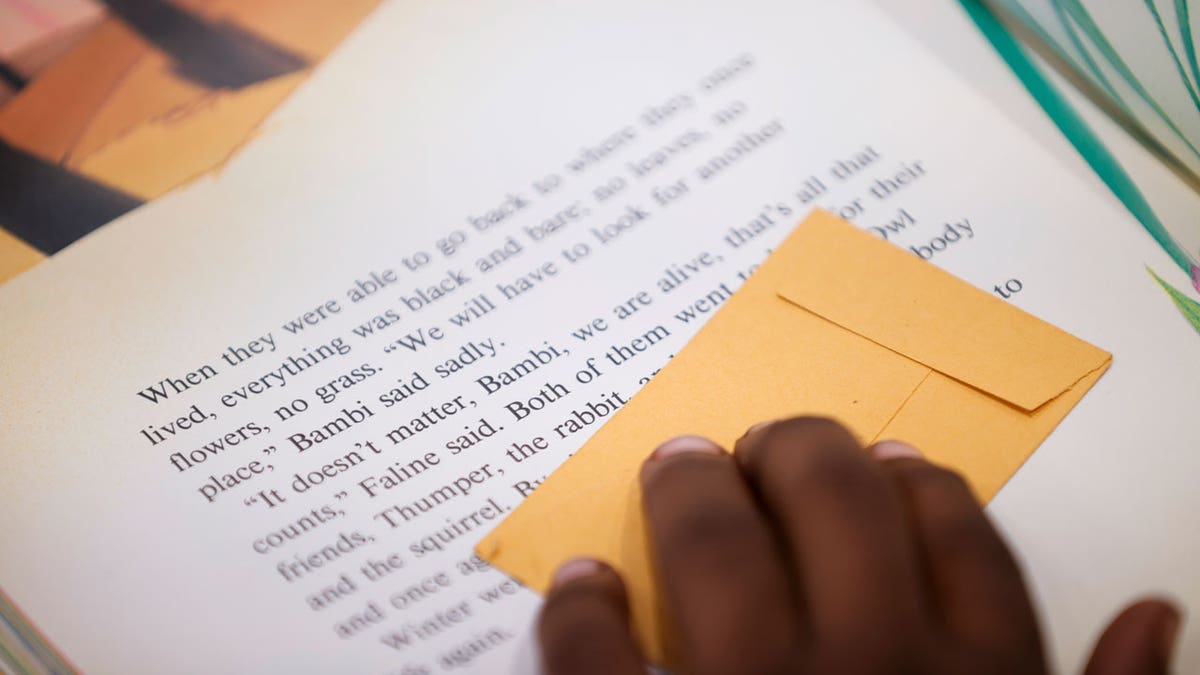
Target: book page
{"points": [[258, 425]]}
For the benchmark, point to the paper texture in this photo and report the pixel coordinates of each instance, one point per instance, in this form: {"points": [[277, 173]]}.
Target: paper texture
{"points": [[836, 323]]}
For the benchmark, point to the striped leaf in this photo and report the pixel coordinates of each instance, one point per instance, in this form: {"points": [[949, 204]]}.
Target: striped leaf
{"points": [[1189, 307]]}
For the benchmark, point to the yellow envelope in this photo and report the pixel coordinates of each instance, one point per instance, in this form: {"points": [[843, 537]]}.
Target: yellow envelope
{"points": [[836, 322]]}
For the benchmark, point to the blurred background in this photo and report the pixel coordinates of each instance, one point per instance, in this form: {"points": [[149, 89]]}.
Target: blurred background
{"points": [[107, 104]]}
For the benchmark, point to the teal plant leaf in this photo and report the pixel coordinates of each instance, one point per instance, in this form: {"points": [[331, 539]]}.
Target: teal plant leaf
{"points": [[1189, 307], [1064, 114]]}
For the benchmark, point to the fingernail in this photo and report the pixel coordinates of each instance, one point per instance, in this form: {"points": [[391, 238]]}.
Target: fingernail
{"points": [[894, 450], [683, 444], [1169, 634], [759, 427], [575, 569]]}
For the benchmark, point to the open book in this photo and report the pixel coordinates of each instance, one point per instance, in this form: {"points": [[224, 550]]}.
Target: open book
{"points": [[258, 425]]}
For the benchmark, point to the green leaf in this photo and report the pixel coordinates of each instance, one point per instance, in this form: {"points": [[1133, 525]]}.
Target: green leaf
{"points": [[1189, 307]]}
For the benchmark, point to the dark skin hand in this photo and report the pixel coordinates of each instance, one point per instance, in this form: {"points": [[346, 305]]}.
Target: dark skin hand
{"points": [[804, 553]]}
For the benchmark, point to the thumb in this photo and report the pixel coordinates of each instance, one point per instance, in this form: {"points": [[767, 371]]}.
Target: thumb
{"points": [[1138, 642]]}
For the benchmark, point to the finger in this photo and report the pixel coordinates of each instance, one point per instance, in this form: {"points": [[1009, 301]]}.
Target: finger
{"points": [[1139, 641], [844, 523], [584, 624], [724, 583], [975, 582]]}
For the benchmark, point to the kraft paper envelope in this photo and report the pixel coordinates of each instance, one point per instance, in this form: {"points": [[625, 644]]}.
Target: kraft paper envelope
{"points": [[836, 322]]}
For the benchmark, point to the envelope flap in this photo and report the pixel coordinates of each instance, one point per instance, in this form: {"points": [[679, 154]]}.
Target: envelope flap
{"points": [[911, 307]]}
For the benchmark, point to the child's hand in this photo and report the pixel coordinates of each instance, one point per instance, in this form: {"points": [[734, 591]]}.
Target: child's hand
{"points": [[802, 553]]}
